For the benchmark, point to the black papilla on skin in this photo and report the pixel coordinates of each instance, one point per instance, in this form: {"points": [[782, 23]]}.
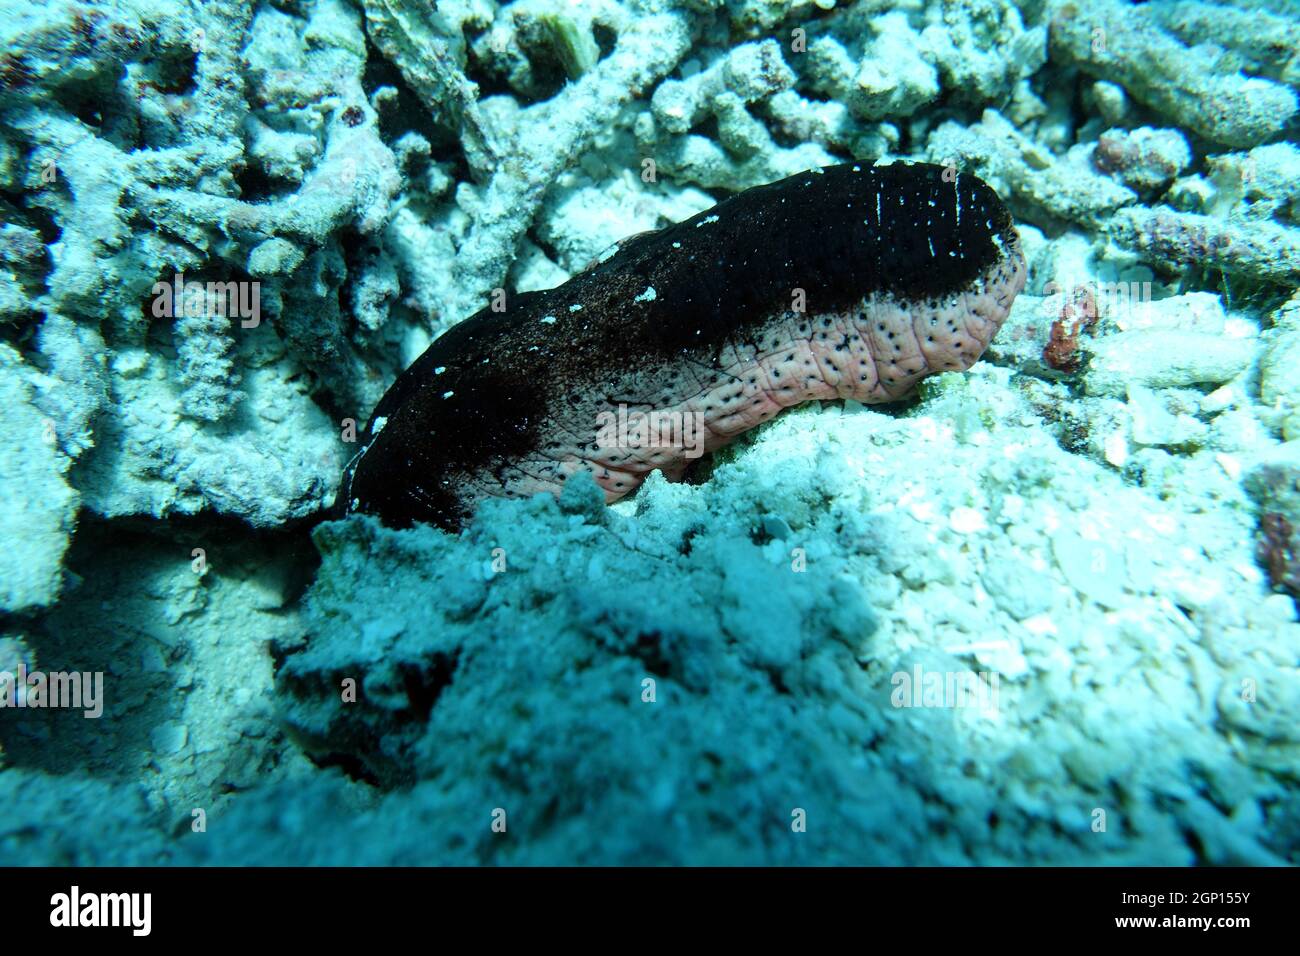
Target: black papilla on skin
{"points": [[472, 406]]}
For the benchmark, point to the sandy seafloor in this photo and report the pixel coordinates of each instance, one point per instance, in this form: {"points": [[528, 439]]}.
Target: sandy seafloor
{"points": [[712, 671]]}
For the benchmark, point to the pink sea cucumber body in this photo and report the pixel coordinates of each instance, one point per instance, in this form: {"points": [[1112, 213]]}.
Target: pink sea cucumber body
{"points": [[874, 355]]}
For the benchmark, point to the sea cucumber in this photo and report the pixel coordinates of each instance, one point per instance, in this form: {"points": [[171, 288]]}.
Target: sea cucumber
{"points": [[850, 281]]}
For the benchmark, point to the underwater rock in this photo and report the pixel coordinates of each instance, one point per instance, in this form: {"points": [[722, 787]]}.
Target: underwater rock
{"points": [[1259, 184], [882, 62], [580, 223], [983, 48], [1261, 250], [37, 508], [24, 258], [829, 124], [271, 462], [1279, 369], [44, 822], [744, 153], [1274, 482], [1144, 159], [1123, 43], [1266, 40], [148, 192], [895, 76], [427, 45], [529, 683], [74, 386], [502, 209], [751, 71], [1030, 177], [746, 157], [412, 671], [1157, 360]]}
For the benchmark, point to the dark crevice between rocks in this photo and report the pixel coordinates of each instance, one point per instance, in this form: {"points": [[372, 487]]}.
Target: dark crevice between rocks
{"points": [[425, 684]]}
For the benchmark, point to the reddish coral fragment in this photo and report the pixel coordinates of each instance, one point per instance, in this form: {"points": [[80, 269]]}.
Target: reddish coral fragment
{"points": [[1062, 349]]}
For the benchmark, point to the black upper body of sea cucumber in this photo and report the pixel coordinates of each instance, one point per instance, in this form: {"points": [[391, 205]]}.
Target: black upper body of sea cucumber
{"points": [[488, 393]]}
